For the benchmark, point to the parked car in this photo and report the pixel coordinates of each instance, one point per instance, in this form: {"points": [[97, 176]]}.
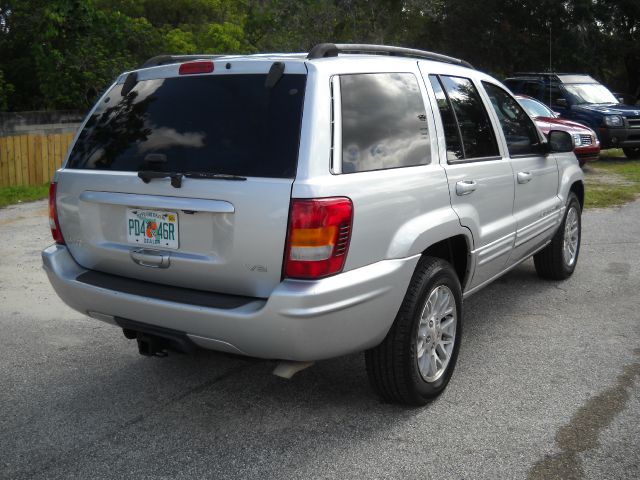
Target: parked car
{"points": [[300, 207], [587, 145], [583, 99]]}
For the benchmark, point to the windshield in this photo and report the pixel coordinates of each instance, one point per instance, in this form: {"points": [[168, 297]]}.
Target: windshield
{"points": [[589, 93], [230, 124], [535, 109]]}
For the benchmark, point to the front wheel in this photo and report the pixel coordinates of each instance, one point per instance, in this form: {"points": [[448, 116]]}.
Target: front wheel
{"points": [[415, 361], [558, 260], [632, 153]]}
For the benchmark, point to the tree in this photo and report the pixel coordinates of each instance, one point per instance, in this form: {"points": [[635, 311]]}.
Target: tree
{"points": [[63, 53]]}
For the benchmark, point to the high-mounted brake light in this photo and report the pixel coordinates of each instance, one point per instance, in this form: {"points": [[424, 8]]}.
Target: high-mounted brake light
{"points": [[318, 237], [200, 66], [56, 233]]}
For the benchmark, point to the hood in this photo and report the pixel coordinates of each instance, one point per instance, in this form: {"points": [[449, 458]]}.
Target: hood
{"points": [[549, 123], [610, 109]]}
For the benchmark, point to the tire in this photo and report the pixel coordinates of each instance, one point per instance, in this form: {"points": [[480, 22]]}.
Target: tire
{"points": [[400, 369], [582, 163], [551, 262], [632, 153]]}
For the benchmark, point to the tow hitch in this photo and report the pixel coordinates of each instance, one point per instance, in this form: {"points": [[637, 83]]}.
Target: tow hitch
{"points": [[156, 341], [152, 346]]}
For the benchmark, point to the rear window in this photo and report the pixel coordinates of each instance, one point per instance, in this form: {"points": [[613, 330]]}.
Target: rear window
{"points": [[228, 124]]}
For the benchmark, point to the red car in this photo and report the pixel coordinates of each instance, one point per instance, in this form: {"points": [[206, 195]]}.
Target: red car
{"points": [[587, 146]]}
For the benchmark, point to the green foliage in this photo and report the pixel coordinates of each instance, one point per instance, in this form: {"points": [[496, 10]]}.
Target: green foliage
{"points": [[6, 89], [61, 54]]}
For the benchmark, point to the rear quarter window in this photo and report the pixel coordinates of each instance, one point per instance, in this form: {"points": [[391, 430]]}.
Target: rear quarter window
{"points": [[384, 123], [230, 124]]}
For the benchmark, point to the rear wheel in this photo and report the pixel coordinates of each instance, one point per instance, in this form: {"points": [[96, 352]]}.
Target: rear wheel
{"points": [[557, 261], [415, 361], [632, 153]]}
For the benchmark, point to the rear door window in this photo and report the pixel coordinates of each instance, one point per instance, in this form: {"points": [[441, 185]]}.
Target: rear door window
{"points": [[384, 123], [476, 136], [230, 124]]}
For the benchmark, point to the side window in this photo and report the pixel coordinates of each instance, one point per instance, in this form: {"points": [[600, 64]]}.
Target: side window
{"points": [[471, 119], [519, 131], [532, 89], [552, 94], [451, 132], [384, 122]]}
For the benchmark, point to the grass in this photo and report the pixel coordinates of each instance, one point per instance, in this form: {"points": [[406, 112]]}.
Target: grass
{"points": [[612, 181], [12, 195]]}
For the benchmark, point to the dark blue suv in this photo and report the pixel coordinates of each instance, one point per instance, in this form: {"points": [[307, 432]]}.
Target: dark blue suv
{"points": [[582, 99]]}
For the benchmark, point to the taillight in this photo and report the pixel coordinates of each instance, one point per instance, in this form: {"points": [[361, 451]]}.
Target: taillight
{"points": [[200, 66], [53, 215], [318, 237]]}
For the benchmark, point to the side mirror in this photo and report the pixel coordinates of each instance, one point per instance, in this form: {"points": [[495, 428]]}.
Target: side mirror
{"points": [[561, 102], [560, 142]]}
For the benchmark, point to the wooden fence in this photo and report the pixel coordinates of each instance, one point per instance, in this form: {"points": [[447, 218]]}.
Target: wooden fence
{"points": [[31, 159]]}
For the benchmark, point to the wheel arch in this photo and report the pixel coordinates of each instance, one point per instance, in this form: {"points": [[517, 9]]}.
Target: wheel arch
{"points": [[457, 251], [571, 179], [577, 187]]}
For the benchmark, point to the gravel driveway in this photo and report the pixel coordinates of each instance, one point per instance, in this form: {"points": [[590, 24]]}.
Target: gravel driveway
{"points": [[547, 386]]}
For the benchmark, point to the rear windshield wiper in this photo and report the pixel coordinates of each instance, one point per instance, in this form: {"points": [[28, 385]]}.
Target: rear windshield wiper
{"points": [[215, 176], [147, 175], [176, 177]]}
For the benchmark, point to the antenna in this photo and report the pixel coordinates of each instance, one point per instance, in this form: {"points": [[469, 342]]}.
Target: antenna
{"points": [[550, 64]]}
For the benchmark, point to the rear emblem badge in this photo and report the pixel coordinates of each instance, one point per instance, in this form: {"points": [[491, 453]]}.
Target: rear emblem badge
{"points": [[256, 268]]}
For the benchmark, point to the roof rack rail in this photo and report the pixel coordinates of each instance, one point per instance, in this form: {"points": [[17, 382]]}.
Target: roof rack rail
{"points": [[323, 50], [169, 59]]}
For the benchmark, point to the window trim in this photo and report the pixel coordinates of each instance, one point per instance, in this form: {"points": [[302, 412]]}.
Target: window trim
{"points": [[336, 126], [475, 160]]}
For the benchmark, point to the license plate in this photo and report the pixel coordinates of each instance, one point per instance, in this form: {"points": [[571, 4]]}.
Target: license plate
{"points": [[152, 228]]}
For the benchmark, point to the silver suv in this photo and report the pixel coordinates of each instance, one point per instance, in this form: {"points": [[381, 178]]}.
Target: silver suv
{"points": [[304, 206]]}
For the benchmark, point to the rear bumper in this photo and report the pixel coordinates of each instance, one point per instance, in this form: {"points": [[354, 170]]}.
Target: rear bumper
{"points": [[301, 320]]}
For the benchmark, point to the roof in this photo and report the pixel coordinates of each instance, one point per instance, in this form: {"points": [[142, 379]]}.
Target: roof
{"points": [[560, 77], [322, 50]]}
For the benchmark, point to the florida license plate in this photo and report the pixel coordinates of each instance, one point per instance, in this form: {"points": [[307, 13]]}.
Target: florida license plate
{"points": [[152, 228]]}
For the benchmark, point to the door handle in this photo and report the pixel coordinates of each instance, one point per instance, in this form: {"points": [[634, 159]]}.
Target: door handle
{"points": [[150, 258], [465, 187], [524, 177]]}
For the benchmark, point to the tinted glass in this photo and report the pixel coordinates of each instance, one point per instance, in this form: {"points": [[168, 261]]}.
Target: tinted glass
{"points": [[519, 131], [533, 89], [227, 124], [384, 122], [552, 94], [535, 108], [451, 132], [478, 139]]}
